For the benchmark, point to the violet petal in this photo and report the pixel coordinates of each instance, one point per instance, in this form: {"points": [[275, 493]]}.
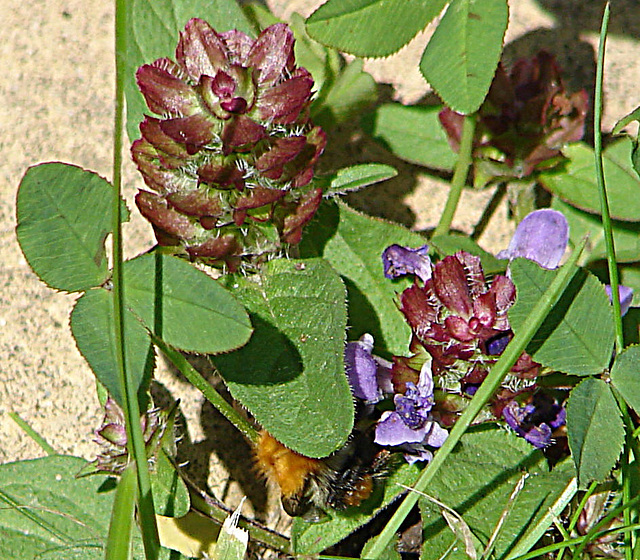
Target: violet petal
{"points": [[398, 261], [625, 294], [391, 430], [361, 369], [539, 436], [436, 435], [541, 237]]}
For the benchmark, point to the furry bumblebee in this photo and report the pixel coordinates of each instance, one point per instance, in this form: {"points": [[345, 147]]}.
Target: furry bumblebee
{"points": [[308, 486]]}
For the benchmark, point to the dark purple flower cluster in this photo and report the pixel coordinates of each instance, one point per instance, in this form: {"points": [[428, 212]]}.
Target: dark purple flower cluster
{"points": [[229, 159], [525, 120], [460, 326]]}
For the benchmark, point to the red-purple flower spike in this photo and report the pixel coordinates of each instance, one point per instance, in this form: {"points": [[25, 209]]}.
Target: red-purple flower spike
{"points": [[526, 119], [229, 158], [456, 315]]}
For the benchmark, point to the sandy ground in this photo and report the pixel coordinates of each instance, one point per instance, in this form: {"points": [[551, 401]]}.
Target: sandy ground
{"points": [[56, 91]]}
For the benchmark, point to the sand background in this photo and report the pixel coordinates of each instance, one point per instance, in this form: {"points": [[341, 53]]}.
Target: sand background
{"points": [[56, 88]]}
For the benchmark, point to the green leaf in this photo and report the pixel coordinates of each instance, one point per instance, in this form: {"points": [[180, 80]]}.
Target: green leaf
{"points": [[357, 177], [462, 56], [182, 305], [477, 481], [625, 375], [154, 28], [49, 514], [577, 336], [64, 215], [92, 325], [351, 92], [313, 538], [122, 525], [353, 243], [232, 540], [170, 494], [595, 430], [371, 28], [291, 373], [624, 121], [575, 181], [45, 512], [452, 243], [626, 236], [414, 134]]}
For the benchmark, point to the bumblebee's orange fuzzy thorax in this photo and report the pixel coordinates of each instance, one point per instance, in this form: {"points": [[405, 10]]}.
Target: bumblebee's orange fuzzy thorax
{"points": [[284, 466]]}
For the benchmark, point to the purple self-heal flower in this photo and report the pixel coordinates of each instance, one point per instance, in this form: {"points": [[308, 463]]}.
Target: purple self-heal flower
{"points": [[535, 421], [400, 261], [541, 237], [410, 425]]}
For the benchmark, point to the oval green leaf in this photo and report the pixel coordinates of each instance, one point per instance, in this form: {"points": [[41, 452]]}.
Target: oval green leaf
{"points": [[625, 376], [357, 177], [478, 480], [595, 430], [92, 325], [291, 373], [462, 56], [371, 28], [353, 243], [64, 215], [414, 134], [182, 305], [575, 181], [47, 512], [351, 92], [577, 336]]}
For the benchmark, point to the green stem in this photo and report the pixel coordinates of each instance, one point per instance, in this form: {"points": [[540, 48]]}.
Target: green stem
{"points": [[196, 379], [122, 517], [541, 552], [35, 436], [604, 202], [593, 533], [131, 409], [484, 393], [611, 255], [459, 175], [576, 516]]}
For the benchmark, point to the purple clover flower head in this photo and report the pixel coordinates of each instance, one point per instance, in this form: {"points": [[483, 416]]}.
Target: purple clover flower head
{"points": [[362, 369], [400, 261], [535, 421], [229, 155], [410, 425], [541, 237], [626, 296]]}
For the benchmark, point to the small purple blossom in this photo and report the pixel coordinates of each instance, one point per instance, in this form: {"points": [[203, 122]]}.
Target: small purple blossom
{"points": [[362, 369], [400, 261], [541, 237], [535, 421], [410, 425]]}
